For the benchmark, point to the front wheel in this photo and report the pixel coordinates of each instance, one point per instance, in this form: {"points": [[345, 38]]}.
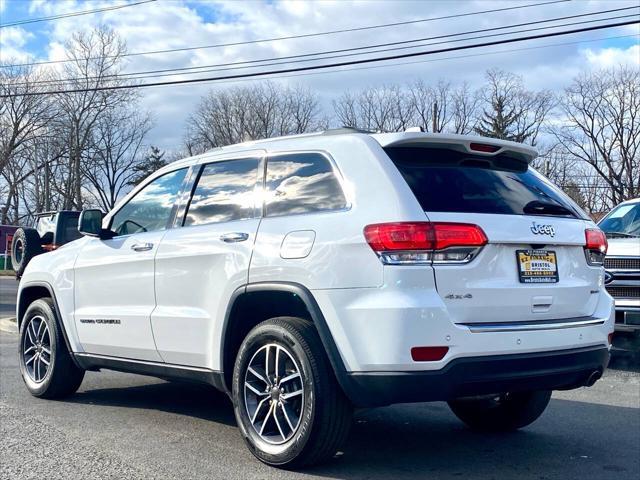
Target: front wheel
{"points": [[45, 363], [288, 404], [501, 412]]}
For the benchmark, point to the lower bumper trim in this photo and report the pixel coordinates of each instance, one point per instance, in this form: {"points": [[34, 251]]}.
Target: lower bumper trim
{"points": [[556, 370]]}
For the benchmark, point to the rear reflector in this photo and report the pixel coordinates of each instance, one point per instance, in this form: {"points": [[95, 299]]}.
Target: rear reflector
{"points": [[483, 147], [428, 354]]}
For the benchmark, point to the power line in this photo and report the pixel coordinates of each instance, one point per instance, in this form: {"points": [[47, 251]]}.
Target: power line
{"points": [[72, 14], [457, 57], [334, 65], [306, 35], [326, 54]]}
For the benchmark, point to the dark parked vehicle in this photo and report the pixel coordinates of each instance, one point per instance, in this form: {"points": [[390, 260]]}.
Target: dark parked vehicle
{"points": [[50, 231]]}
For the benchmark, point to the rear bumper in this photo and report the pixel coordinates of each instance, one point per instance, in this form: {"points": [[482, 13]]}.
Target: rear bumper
{"points": [[556, 370]]}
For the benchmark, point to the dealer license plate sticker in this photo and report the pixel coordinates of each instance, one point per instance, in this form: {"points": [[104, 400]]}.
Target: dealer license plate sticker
{"points": [[537, 266]]}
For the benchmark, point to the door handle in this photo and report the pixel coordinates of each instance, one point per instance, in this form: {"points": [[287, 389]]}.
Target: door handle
{"points": [[141, 247], [234, 237]]}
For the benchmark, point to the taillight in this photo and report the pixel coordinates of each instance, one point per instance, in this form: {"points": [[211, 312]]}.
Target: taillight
{"points": [[595, 248], [425, 242]]}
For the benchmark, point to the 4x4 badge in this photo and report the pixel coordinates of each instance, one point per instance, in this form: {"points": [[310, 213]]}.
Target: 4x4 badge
{"points": [[538, 229]]}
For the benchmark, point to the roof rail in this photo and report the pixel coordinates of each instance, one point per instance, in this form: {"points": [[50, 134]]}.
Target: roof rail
{"points": [[345, 129]]}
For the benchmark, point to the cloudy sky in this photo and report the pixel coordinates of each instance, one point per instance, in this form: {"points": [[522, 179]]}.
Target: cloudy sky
{"points": [[169, 24]]}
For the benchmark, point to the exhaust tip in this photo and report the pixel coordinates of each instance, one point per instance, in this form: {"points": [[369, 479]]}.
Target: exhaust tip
{"points": [[593, 378]]}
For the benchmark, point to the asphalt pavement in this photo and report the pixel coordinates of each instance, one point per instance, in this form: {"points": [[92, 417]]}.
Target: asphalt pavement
{"points": [[127, 426], [8, 292]]}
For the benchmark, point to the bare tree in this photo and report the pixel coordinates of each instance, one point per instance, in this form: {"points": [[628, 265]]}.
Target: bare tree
{"points": [[94, 63], [601, 127], [383, 109], [464, 109], [510, 111], [116, 141], [23, 117], [239, 114]]}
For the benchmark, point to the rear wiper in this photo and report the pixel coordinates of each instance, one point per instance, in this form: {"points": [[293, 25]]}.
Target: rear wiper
{"points": [[537, 207]]}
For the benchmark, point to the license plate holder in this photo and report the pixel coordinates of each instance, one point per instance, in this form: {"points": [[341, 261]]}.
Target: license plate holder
{"points": [[537, 266]]}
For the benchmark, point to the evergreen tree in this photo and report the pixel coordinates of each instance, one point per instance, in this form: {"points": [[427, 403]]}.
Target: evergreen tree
{"points": [[152, 162]]}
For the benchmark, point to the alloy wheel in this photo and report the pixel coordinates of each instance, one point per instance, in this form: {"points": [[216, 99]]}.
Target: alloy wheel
{"points": [[36, 348], [274, 393]]}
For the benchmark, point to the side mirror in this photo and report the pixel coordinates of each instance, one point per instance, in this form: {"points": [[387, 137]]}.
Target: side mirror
{"points": [[90, 224]]}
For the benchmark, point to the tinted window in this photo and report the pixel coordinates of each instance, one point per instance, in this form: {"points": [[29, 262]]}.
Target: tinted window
{"points": [[449, 181], [301, 183], [225, 192], [150, 209]]}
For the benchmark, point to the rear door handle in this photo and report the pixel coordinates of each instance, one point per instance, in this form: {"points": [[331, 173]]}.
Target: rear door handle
{"points": [[142, 247], [234, 237]]}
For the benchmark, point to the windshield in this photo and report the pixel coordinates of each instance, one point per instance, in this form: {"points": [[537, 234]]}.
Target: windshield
{"points": [[624, 221]]}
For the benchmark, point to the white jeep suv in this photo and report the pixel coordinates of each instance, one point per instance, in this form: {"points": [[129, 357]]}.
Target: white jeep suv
{"points": [[311, 274]]}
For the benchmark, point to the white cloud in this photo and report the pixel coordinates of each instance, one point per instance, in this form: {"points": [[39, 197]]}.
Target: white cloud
{"points": [[12, 43], [610, 57], [179, 23]]}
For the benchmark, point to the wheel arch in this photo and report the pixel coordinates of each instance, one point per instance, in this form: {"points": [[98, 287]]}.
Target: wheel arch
{"points": [[267, 300]]}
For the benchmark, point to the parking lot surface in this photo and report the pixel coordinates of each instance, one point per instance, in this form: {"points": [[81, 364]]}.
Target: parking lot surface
{"points": [[126, 426]]}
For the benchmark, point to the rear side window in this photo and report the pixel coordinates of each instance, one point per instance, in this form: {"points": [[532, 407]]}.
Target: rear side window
{"points": [[225, 191], [151, 208], [449, 181], [301, 183]]}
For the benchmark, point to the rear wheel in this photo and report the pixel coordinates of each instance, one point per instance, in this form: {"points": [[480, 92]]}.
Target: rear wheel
{"points": [[45, 363], [25, 246], [288, 404], [501, 412]]}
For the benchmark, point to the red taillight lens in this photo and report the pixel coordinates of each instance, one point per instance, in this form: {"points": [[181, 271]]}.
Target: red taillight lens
{"points": [[424, 242], [457, 235], [399, 236], [596, 240], [483, 147], [428, 354], [595, 246]]}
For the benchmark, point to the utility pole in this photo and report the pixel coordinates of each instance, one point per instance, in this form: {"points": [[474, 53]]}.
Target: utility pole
{"points": [[434, 128]]}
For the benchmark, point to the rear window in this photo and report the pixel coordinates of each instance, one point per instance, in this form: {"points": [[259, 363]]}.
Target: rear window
{"points": [[449, 181]]}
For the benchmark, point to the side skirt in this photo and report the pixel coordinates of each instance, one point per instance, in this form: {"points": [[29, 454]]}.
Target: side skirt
{"points": [[153, 369]]}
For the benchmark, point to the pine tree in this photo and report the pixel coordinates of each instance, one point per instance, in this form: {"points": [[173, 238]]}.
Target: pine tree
{"points": [[152, 162]]}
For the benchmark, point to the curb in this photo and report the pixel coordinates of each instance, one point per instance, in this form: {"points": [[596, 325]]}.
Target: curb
{"points": [[8, 325]]}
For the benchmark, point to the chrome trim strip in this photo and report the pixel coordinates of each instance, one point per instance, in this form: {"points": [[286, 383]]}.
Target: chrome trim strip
{"points": [[144, 362], [532, 326]]}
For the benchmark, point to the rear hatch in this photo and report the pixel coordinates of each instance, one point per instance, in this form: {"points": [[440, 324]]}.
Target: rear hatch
{"points": [[533, 266]]}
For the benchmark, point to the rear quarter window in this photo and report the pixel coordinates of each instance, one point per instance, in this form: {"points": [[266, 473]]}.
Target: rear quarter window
{"points": [[449, 181], [301, 183]]}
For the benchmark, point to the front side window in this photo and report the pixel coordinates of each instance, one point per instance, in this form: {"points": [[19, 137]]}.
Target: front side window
{"points": [[225, 191], [301, 183], [150, 209]]}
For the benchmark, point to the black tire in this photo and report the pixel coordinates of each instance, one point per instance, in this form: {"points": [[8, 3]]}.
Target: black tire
{"points": [[322, 416], [501, 413], [61, 377], [25, 246]]}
